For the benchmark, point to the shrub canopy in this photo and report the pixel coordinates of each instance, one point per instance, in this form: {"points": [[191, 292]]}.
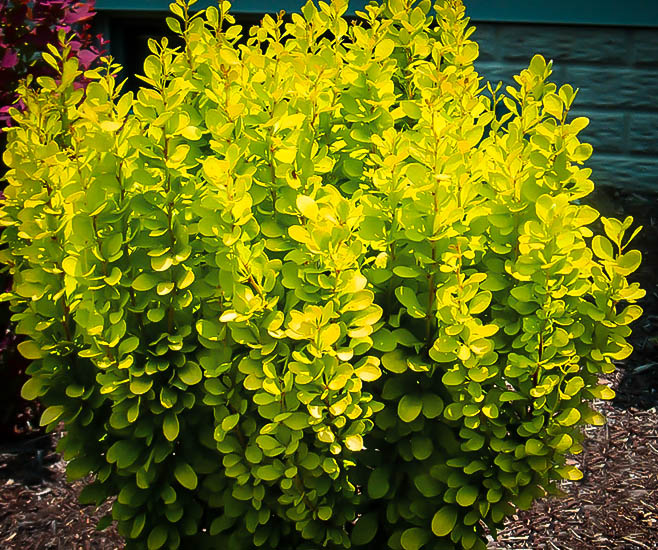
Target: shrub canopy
{"points": [[314, 287]]}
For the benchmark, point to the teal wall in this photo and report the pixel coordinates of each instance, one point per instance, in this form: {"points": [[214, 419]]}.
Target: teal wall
{"points": [[616, 72], [599, 12]]}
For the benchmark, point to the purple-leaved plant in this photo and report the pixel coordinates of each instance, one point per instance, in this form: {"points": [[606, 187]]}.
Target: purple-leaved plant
{"points": [[27, 27]]}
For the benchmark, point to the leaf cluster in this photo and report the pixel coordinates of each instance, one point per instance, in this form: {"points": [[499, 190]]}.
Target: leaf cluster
{"points": [[26, 30], [316, 286]]}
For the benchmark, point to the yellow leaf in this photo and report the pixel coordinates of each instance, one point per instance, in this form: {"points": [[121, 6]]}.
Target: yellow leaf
{"points": [[384, 48], [354, 442], [30, 350], [307, 206], [286, 155]]}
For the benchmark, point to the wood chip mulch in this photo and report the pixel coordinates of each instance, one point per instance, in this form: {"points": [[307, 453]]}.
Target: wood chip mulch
{"points": [[39, 510]]}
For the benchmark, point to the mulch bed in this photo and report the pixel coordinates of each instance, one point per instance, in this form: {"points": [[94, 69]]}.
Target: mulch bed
{"points": [[39, 510]]}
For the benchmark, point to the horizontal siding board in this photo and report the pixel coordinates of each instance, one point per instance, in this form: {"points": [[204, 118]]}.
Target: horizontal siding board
{"points": [[641, 13]]}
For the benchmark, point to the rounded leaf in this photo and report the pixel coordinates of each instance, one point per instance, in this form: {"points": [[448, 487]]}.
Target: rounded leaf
{"points": [[186, 476], [444, 521], [365, 529], [409, 407]]}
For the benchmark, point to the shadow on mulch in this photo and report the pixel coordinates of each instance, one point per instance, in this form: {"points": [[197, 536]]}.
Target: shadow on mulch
{"points": [[28, 462]]}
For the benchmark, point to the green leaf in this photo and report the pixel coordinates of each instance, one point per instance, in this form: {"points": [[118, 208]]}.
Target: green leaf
{"points": [[32, 389], [139, 385], [128, 345], [155, 315], [395, 361], [408, 299], [378, 483], [432, 405], [467, 495], [231, 421], [444, 521], [407, 272], [190, 373], [568, 417], [421, 447], [453, 378], [30, 350], [269, 472], [145, 281], [480, 302], [410, 109], [138, 525], [186, 475], [414, 538], [114, 277], [157, 537], [124, 453], [51, 414], [534, 447], [561, 443], [267, 442], [602, 392], [365, 529], [570, 472], [297, 421], [170, 426], [409, 407], [507, 396]]}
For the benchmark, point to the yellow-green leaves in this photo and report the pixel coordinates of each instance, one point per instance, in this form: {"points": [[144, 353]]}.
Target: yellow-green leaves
{"points": [[444, 521], [30, 350], [185, 475], [124, 453], [170, 426], [409, 407], [144, 282], [308, 291], [51, 414]]}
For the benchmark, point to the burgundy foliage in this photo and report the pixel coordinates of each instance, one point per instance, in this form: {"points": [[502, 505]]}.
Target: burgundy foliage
{"points": [[27, 27]]}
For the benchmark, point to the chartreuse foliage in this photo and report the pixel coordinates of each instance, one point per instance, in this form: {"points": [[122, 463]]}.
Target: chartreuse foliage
{"points": [[316, 287]]}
